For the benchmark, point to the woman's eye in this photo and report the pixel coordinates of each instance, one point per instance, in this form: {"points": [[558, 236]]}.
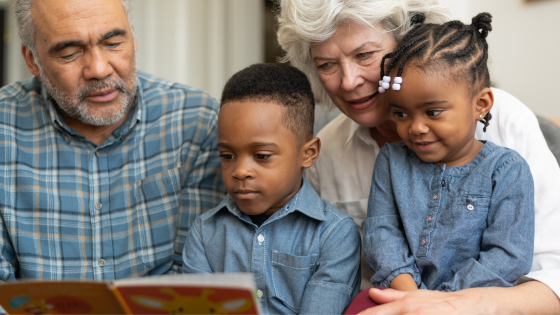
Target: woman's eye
{"points": [[364, 55], [226, 156], [262, 156], [324, 66], [400, 114], [433, 112]]}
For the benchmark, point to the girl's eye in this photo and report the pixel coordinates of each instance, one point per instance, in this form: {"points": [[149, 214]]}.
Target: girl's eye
{"points": [[400, 114], [262, 156], [226, 156], [433, 112]]}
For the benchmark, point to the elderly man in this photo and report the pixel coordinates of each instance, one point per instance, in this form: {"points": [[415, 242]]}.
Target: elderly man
{"points": [[103, 168]]}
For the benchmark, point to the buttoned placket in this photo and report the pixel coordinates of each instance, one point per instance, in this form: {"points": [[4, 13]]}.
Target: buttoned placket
{"points": [[438, 187], [258, 262], [102, 263]]}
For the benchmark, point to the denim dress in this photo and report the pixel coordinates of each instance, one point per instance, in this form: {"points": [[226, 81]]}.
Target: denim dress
{"points": [[450, 228]]}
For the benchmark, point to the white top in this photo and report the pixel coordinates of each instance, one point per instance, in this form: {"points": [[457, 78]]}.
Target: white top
{"points": [[342, 175]]}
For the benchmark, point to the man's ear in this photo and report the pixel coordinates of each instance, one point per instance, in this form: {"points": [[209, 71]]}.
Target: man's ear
{"points": [[311, 152], [484, 102], [30, 61]]}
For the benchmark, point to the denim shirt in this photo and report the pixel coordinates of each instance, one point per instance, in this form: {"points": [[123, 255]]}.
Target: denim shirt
{"points": [[450, 228], [305, 258]]}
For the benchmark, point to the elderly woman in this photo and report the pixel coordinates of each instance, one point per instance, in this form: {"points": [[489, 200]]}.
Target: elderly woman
{"points": [[339, 45]]}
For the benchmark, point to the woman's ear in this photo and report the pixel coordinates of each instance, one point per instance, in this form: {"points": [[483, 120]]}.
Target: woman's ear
{"points": [[484, 102], [311, 152]]}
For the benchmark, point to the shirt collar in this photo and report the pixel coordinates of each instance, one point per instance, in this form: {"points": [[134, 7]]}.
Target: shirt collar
{"points": [[305, 201], [361, 132]]}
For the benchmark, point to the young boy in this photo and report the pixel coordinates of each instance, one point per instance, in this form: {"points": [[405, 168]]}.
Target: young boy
{"points": [[303, 252]]}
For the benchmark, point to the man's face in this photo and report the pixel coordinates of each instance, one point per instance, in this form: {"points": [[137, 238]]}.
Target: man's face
{"points": [[86, 54]]}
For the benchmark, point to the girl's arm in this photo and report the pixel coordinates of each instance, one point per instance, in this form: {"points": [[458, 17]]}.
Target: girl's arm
{"points": [[404, 282], [385, 244]]}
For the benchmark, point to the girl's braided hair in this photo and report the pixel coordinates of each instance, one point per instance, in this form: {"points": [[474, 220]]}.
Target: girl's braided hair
{"points": [[453, 46]]}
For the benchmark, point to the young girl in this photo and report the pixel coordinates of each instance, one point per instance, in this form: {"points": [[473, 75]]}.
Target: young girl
{"points": [[446, 211]]}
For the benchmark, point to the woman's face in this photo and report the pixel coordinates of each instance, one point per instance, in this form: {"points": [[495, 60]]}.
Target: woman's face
{"points": [[348, 65]]}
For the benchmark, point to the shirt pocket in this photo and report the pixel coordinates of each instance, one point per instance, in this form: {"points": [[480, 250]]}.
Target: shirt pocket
{"points": [[467, 219], [290, 275], [155, 217]]}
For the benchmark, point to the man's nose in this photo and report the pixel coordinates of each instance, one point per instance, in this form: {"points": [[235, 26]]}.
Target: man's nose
{"points": [[97, 65]]}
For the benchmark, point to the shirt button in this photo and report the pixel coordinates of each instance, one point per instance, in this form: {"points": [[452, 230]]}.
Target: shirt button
{"points": [[430, 219], [259, 293], [101, 262], [442, 183], [97, 153], [470, 207], [98, 206], [260, 238], [424, 242], [435, 197]]}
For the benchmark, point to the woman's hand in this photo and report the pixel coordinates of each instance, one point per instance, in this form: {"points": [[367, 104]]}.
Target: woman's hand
{"points": [[528, 298]]}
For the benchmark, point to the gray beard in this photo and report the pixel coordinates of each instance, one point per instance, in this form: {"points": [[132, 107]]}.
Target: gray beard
{"points": [[75, 106]]}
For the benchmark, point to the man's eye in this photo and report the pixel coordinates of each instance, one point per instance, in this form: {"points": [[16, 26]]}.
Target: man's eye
{"points": [[226, 156], [114, 45], [400, 114], [433, 112], [262, 156], [68, 57]]}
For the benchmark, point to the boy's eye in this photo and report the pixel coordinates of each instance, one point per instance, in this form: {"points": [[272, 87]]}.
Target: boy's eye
{"points": [[400, 114], [262, 156], [433, 112], [226, 156]]}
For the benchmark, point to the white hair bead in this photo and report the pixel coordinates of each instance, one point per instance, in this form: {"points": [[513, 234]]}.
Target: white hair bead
{"points": [[380, 82], [381, 90], [398, 80], [387, 79], [386, 85], [396, 87]]}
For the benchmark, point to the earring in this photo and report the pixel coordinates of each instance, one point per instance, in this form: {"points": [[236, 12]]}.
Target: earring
{"points": [[480, 116]]}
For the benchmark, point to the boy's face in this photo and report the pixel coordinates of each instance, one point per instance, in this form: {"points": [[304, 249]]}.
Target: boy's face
{"points": [[437, 117], [262, 160]]}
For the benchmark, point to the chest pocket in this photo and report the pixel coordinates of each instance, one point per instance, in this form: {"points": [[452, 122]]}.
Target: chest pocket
{"points": [[290, 274], [467, 219], [155, 217]]}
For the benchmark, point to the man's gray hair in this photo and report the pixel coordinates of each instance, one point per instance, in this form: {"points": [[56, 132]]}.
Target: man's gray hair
{"points": [[26, 27], [303, 23]]}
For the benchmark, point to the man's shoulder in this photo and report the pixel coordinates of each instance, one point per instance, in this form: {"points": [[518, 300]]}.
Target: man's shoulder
{"points": [[20, 91], [157, 90]]}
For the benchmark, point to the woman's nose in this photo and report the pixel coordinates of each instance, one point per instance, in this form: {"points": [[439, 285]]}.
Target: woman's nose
{"points": [[351, 76]]}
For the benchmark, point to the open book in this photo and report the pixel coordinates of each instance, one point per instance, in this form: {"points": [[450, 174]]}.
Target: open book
{"points": [[221, 293]]}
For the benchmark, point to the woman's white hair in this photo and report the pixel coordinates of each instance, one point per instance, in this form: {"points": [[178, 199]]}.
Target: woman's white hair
{"points": [[303, 23], [26, 27]]}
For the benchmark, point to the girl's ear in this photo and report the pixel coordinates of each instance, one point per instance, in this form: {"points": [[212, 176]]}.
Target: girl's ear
{"points": [[484, 102], [311, 152]]}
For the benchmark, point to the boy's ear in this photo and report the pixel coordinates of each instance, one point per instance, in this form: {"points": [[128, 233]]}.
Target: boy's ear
{"points": [[311, 152], [484, 102]]}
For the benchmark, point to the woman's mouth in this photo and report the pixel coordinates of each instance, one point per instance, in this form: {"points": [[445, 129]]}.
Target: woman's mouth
{"points": [[363, 103]]}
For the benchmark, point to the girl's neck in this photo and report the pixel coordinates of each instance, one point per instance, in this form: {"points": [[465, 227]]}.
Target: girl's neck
{"points": [[385, 133]]}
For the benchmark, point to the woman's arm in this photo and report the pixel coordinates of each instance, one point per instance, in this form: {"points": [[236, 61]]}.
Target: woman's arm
{"points": [[528, 298]]}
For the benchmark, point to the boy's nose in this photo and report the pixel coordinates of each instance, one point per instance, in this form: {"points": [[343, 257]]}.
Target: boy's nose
{"points": [[242, 171]]}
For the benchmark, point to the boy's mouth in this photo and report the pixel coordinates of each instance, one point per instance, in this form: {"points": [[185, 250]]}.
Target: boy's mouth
{"points": [[245, 194]]}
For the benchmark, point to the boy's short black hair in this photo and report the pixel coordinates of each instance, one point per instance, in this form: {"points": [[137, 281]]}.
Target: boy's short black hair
{"points": [[278, 83]]}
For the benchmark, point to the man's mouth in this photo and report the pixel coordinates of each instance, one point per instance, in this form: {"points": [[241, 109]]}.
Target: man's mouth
{"points": [[103, 95]]}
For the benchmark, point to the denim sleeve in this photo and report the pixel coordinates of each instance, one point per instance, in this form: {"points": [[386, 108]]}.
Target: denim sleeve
{"points": [[194, 255], [337, 278], [507, 243], [385, 244]]}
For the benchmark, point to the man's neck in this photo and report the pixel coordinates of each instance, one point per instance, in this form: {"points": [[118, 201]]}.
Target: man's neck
{"points": [[95, 134]]}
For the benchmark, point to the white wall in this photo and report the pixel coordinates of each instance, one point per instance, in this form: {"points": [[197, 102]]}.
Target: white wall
{"points": [[524, 48]]}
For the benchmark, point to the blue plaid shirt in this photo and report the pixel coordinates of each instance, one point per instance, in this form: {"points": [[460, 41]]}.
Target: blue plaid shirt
{"points": [[70, 209]]}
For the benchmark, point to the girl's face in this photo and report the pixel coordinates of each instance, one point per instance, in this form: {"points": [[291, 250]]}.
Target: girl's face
{"points": [[348, 67], [436, 117]]}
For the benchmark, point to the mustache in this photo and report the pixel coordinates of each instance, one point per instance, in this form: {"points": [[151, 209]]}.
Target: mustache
{"points": [[98, 85]]}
